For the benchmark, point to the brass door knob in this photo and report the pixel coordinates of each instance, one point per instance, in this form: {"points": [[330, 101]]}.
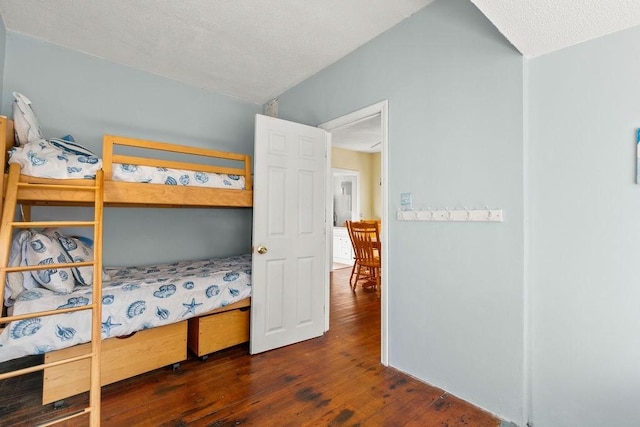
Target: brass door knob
{"points": [[262, 250]]}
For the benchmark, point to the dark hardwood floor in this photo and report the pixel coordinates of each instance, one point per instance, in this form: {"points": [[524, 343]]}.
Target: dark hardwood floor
{"points": [[335, 380]]}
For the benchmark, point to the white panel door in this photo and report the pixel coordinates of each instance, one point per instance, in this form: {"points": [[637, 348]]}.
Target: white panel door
{"points": [[289, 234]]}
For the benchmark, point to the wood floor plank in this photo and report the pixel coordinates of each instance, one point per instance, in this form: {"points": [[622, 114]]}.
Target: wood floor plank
{"points": [[449, 410], [334, 380]]}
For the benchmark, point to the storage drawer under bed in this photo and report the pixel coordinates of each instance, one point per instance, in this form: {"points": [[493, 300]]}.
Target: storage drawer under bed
{"points": [[220, 329], [121, 358]]}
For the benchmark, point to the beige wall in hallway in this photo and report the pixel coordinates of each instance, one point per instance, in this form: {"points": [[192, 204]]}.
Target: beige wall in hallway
{"points": [[368, 165]]}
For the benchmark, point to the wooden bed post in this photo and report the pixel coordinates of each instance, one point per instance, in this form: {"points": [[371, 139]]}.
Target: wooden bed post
{"points": [[247, 173], [96, 312], [107, 156], [6, 142]]}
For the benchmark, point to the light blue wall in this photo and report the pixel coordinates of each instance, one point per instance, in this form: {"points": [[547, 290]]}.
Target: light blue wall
{"points": [[457, 296], [585, 233], [3, 42], [78, 94], [456, 290]]}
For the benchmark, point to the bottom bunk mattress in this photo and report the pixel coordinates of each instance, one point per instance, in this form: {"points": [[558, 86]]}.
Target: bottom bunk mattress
{"points": [[135, 298]]}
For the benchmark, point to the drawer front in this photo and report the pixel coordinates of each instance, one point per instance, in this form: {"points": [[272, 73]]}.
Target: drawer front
{"points": [[208, 334], [121, 358]]}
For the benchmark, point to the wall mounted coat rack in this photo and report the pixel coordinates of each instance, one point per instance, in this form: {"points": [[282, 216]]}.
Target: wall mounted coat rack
{"points": [[462, 215]]}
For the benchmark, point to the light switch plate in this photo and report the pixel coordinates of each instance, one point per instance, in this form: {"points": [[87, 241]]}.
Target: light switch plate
{"points": [[406, 203]]}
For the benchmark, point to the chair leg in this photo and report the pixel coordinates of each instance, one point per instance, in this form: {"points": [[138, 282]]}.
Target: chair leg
{"points": [[363, 273], [353, 271], [358, 273], [372, 276]]}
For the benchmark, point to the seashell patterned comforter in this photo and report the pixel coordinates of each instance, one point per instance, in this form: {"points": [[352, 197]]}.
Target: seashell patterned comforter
{"points": [[156, 175], [59, 159], [135, 298]]}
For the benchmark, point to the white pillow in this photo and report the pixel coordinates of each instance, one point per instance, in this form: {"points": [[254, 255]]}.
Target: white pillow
{"points": [[25, 121], [82, 252], [18, 281], [42, 249], [77, 251]]}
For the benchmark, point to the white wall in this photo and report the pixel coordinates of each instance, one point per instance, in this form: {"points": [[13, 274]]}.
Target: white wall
{"points": [[456, 291], [585, 233], [78, 94]]}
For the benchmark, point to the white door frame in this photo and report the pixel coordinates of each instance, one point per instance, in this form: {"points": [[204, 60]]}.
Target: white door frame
{"points": [[381, 108]]}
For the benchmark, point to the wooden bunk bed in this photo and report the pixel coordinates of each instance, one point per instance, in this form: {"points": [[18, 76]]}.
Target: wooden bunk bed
{"points": [[168, 344]]}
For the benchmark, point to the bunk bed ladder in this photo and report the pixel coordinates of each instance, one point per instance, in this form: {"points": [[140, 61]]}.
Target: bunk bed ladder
{"points": [[7, 227]]}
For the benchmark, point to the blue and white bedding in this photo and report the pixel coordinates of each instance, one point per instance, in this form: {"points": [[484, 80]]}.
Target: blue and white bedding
{"points": [[55, 158], [63, 159], [135, 298], [154, 175]]}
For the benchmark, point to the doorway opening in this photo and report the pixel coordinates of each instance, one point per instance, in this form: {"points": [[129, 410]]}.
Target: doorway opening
{"points": [[359, 143]]}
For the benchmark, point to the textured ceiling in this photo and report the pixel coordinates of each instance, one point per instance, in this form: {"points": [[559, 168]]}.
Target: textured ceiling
{"points": [[255, 50], [536, 27], [250, 49]]}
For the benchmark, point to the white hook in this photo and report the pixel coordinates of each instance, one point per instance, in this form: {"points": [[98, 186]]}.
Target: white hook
{"points": [[430, 213], [468, 213]]}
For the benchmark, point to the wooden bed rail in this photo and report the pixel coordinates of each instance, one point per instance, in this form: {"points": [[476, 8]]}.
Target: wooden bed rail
{"points": [[110, 142]]}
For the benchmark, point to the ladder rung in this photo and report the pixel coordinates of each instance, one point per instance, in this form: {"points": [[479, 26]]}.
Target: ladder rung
{"points": [[66, 418], [48, 266], [44, 224], [44, 366], [46, 313]]}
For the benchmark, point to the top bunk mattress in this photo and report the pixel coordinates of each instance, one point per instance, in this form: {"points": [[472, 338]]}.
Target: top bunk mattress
{"points": [[134, 298], [61, 159]]}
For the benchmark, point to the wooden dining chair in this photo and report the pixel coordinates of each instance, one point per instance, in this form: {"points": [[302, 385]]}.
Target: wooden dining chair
{"points": [[355, 263], [365, 238]]}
